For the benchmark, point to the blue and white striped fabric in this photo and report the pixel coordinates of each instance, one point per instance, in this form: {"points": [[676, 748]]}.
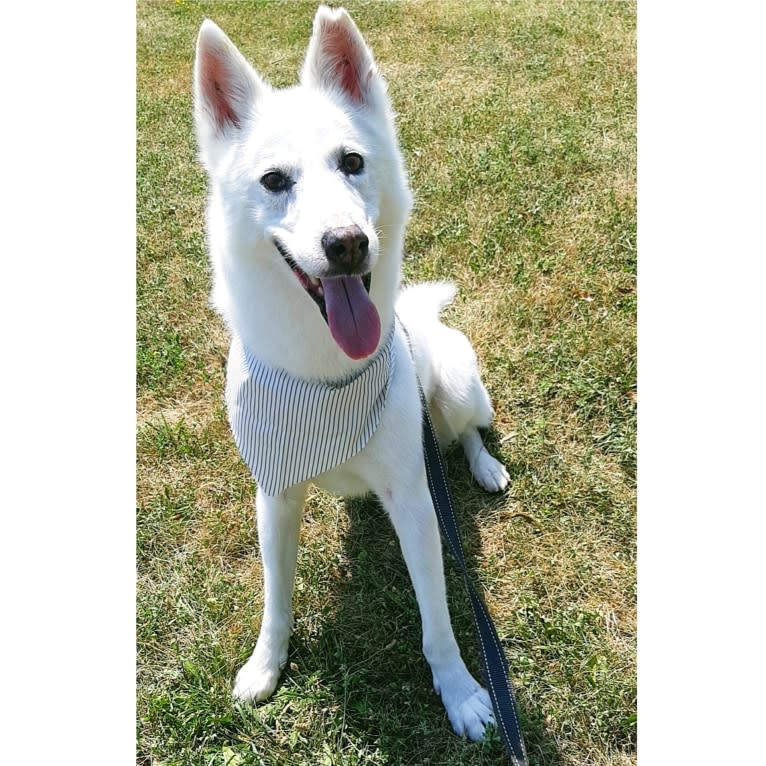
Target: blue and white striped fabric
{"points": [[289, 430]]}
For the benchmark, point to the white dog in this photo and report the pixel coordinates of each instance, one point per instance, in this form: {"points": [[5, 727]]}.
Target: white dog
{"points": [[307, 210]]}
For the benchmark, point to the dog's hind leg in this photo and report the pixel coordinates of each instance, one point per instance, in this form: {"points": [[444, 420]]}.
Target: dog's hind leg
{"points": [[449, 372], [279, 521], [460, 405], [489, 472]]}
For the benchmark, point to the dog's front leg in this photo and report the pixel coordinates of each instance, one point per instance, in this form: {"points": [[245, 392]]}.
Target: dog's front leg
{"points": [[411, 511], [279, 521]]}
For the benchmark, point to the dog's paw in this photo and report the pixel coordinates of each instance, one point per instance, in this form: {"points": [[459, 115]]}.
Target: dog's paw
{"points": [[470, 717], [468, 705], [255, 684], [258, 677], [489, 472]]}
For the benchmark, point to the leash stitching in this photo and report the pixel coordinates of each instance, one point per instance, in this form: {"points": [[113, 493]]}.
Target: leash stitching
{"points": [[455, 546], [461, 561]]}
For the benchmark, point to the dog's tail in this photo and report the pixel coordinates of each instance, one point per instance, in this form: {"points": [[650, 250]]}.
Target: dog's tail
{"points": [[425, 300]]}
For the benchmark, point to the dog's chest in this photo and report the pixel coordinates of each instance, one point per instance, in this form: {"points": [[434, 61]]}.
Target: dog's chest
{"points": [[289, 430]]}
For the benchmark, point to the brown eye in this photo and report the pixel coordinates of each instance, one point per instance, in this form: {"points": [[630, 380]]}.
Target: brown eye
{"points": [[275, 181], [352, 163]]}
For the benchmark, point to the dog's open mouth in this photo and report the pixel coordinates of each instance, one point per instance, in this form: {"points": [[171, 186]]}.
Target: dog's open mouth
{"points": [[345, 305]]}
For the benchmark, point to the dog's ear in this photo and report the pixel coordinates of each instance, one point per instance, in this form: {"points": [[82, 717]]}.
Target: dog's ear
{"points": [[226, 88], [339, 60]]}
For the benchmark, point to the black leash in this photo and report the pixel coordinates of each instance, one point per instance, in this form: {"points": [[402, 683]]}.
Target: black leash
{"points": [[493, 659]]}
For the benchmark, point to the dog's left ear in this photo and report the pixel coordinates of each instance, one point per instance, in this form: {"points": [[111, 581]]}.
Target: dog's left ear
{"points": [[339, 60]]}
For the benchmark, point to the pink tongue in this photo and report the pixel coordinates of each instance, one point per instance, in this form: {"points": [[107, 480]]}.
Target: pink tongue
{"points": [[354, 321]]}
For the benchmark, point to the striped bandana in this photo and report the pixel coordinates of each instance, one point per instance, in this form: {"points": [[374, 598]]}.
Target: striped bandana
{"points": [[289, 430]]}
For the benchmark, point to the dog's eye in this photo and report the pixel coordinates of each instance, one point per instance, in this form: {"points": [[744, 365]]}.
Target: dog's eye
{"points": [[352, 163], [275, 181]]}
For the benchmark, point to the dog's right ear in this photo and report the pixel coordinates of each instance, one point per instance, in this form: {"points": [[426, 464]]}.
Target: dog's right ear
{"points": [[226, 89]]}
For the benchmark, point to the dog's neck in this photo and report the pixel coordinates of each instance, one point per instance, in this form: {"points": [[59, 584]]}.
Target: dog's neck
{"points": [[289, 430], [291, 334], [383, 350]]}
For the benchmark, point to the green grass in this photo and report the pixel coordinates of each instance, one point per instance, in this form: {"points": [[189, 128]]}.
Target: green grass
{"points": [[518, 127]]}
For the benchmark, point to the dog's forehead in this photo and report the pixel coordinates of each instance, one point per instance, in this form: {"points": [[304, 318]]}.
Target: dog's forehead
{"points": [[298, 120]]}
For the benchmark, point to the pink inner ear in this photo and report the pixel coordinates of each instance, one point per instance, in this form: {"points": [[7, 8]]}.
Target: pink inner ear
{"points": [[345, 59], [349, 79], [216, 80]]}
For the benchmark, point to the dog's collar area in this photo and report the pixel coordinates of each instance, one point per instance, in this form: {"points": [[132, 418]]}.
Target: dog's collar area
{"points": [[313, 285], [290, 429]]}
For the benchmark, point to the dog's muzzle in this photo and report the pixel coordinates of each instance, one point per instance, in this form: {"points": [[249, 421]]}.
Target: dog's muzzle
{"points": [[347, 249]]}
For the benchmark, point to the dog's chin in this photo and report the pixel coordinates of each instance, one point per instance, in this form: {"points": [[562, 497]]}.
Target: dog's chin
{"points": [[313, 285]]}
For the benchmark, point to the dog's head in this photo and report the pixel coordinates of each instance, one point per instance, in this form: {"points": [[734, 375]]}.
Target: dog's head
{"points": [[309, 180]]}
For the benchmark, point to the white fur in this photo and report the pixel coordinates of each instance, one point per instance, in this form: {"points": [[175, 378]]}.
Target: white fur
{"points": [[245, 128]]}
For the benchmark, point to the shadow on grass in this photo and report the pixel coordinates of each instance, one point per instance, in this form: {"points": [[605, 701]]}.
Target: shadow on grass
{"points": [[369, 656], [356, 690]]}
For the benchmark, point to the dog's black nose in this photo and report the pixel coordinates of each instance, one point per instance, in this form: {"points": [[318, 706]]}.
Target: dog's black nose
{"points": [[346, 247]]}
